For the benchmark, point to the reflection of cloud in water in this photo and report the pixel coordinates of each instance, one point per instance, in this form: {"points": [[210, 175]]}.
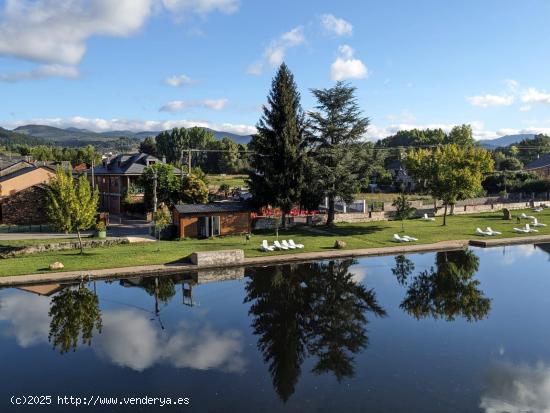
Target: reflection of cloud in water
{"points": [[130, 339], [511, 254], [359, 273], [517, 388], [28, 318]]}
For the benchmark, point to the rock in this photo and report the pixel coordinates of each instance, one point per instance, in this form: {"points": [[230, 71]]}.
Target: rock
{"points": [[57, 266], [339, 244], [507, 214]]}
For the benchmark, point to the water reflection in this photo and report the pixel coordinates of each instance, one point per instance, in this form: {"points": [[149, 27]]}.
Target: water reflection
{"points": [[314, 309], [448, 291]]}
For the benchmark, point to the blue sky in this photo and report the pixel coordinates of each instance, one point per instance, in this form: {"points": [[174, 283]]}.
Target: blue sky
{"points": [[153, 64]]}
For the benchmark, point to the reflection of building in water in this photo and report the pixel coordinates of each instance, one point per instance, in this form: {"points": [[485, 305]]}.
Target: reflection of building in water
{"points": [[543, 247], [43, 289]]}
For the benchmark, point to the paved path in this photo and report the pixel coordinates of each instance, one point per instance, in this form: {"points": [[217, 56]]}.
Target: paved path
{"points": [[11, 236]]}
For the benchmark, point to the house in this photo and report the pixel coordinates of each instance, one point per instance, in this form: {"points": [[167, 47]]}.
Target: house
{"points": [[116, 175], [540, 166], [23, 195], [213, 219], [400, 175]]}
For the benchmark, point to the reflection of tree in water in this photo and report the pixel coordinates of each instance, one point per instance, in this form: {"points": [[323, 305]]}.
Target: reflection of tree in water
{"points": [[74, 313], [163, 288], [313, 309], [449, 290], [403, 268]]}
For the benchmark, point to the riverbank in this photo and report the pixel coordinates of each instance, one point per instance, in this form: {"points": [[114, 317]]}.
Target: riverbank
{"points": [[182, 267]]}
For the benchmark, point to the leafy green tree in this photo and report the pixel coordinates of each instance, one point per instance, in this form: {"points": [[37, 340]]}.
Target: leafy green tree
{"points": [[172, 144], [450, 172], [161, 218], [168, 185], [461, 136], [276, 176], [403, 209], [72, 206], [148, 146], [74, 314], [193, 190], [510, 164], [448, 291], [336, 126]]}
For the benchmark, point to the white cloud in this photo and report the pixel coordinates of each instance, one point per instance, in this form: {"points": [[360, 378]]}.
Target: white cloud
{"points": [[176, 106], [53, 70], [532, 95], [511, 84], [28, 319], [274, 53], [488, 100], [202, 7], [179, 80], [525, 108], [55, 31], [336, 26], [346, 67], [102, 125], [517, 388]]}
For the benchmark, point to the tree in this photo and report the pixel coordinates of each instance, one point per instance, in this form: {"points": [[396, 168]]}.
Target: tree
{"points": [[161, 218], [510, 164], [193, 190], [449, 172], [276, 176], [461, 136], [72, 206], [403, 209], [148, 146], [167, 184], [336, 125], [74, 314]]}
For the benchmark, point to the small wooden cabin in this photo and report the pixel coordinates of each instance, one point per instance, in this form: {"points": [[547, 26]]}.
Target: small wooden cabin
{"points": [[213, 219]]}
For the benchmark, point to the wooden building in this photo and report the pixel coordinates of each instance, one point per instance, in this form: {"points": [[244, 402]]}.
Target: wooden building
{"points": [[210, 220]]}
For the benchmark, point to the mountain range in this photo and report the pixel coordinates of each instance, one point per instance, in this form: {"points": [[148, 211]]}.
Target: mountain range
{"points": [[505, 140]]}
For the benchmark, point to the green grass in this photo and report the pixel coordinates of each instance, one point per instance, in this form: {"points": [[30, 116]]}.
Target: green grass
{"points": [[357, 235], [214, 181]]}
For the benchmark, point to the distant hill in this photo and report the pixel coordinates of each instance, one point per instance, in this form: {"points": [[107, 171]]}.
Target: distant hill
{"points": [[505, 140], [9, 138], [81, 137]]}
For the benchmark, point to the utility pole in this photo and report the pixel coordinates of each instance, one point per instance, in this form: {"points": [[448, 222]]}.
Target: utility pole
{"points": [[189, 161], [93, 179], [155, 190]]}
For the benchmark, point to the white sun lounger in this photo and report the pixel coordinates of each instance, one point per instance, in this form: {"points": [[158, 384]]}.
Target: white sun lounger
{"points": [[266, 247], [536, 223], [299, 246], [278, 246], [491, 232], [409, 238], [397, 238], [538, 209], [286, 244], [427, 218], [479, 231], [529, 229], [524, 216], [521, 230]]}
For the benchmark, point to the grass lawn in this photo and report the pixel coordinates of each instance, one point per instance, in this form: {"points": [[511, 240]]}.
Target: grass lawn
{"points": [[357, 235], [214, 181]]}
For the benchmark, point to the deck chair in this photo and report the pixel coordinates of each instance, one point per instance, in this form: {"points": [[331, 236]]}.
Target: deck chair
{"points": [[266, 247], [278, 246], [299, 246], [491, 232], [286, 244]]}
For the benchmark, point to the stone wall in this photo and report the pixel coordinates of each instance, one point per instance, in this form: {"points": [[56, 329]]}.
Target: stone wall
{"points": [[10, 252], [25, 207], [217, 257]]}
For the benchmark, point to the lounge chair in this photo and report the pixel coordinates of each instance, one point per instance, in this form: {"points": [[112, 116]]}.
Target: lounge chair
{"points": [[536, 223], [299, 246], [278, 246], [409, 238], [524, 216], [521, 230], [491, 232], [427, 218], [538, 209], [286, 244], [266, 247], [397, 238], [529, 229], [479, 231]]}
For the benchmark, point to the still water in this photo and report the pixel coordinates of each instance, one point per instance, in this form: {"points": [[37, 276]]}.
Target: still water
{"points": [[456, 331]]}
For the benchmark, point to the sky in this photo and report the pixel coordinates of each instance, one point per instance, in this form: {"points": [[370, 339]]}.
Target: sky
{"points": [[155, 64]]}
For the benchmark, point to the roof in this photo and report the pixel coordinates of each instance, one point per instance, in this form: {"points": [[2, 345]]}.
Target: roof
{"points": [[213, 207], [395, 165], [7, 168], [22, 171], [541, 162], [129, 164]]}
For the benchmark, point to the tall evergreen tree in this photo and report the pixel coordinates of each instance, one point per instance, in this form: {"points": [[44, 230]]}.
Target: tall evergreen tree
{"points": [[337, 126], [276, 177]]}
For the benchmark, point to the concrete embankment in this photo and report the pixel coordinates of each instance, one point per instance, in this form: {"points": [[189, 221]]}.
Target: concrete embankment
{"points": [[177, 268]]}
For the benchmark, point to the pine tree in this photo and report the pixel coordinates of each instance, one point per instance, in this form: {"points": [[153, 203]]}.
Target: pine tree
{"points": [[337, 126], [276, 177]]}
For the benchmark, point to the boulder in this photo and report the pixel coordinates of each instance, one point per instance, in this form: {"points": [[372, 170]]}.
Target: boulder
{"points": [[57, 266], [507, 214], [339, 244]]}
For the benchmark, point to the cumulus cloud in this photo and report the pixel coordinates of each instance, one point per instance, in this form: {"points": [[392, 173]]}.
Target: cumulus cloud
{"points": [[176, 106], [532, 95], [336, 26], [511, 84], [346, 67], [274, 53], [517, 388], [179, 80], [202, 7], [136, 125], [488, 100], [53, 70], [27, 316]]}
